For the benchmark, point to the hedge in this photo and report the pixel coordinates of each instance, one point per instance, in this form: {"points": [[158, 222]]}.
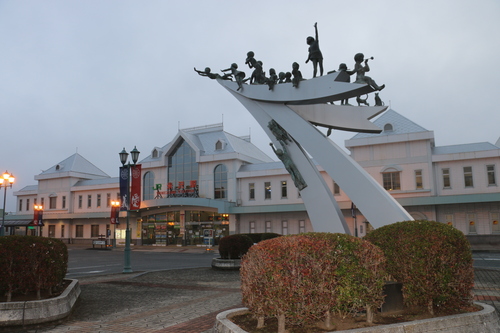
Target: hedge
{"points": [[234, 246], [433, 261], [31, 264], [304, 278]]}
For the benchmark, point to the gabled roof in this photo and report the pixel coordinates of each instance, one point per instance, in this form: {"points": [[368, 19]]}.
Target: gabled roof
{"points": [[75, 164], [400, 125]]}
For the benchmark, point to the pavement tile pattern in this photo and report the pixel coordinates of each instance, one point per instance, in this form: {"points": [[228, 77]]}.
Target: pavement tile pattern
{"points": [[177, 301]]}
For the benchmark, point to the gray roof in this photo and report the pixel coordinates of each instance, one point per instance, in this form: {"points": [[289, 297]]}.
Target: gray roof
{"points": [[464, 148], [400, 125], [75, 163], [262, 166]]}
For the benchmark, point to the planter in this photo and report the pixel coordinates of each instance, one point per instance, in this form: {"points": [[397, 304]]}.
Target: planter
{"points": [[226, 264], [485, 320], [36, 312]]}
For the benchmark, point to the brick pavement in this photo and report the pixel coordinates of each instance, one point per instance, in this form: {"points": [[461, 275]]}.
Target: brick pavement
{"points": [[178, 301]]}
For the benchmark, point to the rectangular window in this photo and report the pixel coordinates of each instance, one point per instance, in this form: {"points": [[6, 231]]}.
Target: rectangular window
{"points": [[52, 231], [251, 191], [268, 226], [468, 182], [52, 202], [490, 170], [284, 193], [302, 226], [391, 181], [267, 190], [495, 225], [471, 218], [94, 230], [252, 227], [449, 219], [98, 201], [80, 201], [418, 180], [63, 202], [42, 202], [336, 188], [284, 227], [27, 204], [79, 231], [89, 200], [62, 230], [446, 178], [20, 205], [108, 200]]}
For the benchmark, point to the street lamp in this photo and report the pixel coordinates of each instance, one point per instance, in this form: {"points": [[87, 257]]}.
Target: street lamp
{"points": [[38, 218], [115, 211], [125, 175], [5, 181]]}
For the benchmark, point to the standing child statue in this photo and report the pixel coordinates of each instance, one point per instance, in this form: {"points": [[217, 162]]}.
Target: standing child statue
{"points": [[238, 75], [258, 73], [314, 52], [297, 75], [360, 71]]}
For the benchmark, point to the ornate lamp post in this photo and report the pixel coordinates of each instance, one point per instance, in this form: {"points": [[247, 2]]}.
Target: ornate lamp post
{"points": [[6, 180], [125, 202]]}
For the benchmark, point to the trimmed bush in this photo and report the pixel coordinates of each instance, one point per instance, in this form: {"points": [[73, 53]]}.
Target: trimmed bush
{"points": [[31, 264], [234, 246], [304, 278], [258, 237], [432, 260]]}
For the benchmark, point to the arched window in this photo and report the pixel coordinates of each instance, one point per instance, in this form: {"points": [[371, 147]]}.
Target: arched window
{"points": [[220, 182], [147, 186], [182, 165], [154, 154]]}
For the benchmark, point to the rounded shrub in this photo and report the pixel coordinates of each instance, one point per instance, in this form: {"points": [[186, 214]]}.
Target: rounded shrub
{"points": [[31, 264], [305, 278], [234, 246], [433, 261]]}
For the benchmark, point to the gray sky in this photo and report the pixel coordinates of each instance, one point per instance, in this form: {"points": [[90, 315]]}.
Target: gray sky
{"points": [[95, 76]]}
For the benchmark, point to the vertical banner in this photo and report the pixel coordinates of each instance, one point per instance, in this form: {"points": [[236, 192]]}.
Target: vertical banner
{"points": [[124, 187], [35, 217], [115, 212], [135, 192], [39, 218]]}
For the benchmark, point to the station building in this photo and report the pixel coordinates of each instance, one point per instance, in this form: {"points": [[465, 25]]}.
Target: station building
{"points": [[209, 182]]}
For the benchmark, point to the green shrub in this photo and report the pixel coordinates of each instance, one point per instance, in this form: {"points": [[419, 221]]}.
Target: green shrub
{"points": [[234, 246], [304, 278], [432, 260], [31, 263]]}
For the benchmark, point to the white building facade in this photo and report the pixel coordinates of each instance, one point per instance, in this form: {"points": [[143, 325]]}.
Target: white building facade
{"points": [[209, 182]]}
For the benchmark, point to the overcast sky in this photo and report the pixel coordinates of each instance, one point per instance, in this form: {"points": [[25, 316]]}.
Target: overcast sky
{"points": [[95, 76]]}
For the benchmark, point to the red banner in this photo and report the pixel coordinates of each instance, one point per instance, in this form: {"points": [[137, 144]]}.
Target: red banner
{"points": [[115, 211], [135, 190]]}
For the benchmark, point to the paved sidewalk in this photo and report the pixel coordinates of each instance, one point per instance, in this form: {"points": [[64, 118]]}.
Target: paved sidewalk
{"points": [[177, 301]]}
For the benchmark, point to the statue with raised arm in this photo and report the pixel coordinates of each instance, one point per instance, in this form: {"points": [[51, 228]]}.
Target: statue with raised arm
{"points": [[239, 76], [208, 73], [258, 73], [279, 132], [315, 53], [360, 71], [290, 167]]}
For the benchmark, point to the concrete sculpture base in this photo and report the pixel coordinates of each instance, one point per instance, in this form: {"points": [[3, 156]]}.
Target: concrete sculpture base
{"points": [[483, 321]]}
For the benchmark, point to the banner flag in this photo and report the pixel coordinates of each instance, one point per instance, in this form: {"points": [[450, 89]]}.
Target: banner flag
{"points": [[39, 221], [135, 193], [115, 212], [35, 217], [353, 210], [124, 187]]}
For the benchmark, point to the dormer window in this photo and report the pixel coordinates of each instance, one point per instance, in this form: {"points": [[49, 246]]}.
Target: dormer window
{"points": [[220, 145], [58, 167], [388, 128], [154, 154]]}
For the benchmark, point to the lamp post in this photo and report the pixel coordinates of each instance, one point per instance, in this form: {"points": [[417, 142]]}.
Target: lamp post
{"points": [[6, 180], [38, 218], [115, 210], [126, 201]]}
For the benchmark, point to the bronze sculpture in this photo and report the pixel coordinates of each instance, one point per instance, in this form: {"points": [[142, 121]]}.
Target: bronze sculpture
{"points": [[315, 54]]}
